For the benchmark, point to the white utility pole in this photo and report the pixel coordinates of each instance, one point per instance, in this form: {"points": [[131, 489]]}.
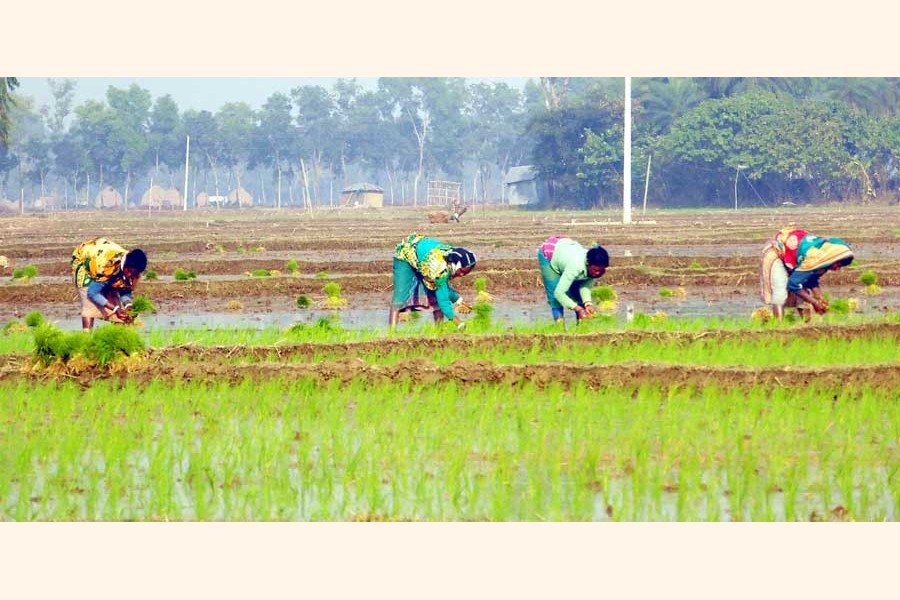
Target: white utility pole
{"points": [[626, 186], [187, 163], [647, 184]]}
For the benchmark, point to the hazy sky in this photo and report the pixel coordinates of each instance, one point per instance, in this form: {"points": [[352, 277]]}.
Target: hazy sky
{"points": [[202, 93]]}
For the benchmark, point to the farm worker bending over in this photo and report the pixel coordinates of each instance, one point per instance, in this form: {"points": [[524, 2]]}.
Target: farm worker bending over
{"points": [[815, 257], [791, 266], [105, 276], [424, 267], [779, 259], [569, 271]]}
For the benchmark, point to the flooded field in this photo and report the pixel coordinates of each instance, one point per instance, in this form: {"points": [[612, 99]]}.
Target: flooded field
{"points": [[238, 404]]}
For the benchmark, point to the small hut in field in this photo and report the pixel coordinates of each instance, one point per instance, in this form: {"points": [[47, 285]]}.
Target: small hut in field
{"points": [[240, 197], [524, 187], [367, 195], [203, 199], [108, 197], [160, 197]]}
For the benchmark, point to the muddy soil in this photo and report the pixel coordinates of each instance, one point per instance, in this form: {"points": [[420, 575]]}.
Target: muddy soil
{"points": [[829, 381], [711, 254]]}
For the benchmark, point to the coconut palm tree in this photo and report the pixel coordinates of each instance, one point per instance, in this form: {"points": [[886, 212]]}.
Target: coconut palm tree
{"points": [[7, 85]]}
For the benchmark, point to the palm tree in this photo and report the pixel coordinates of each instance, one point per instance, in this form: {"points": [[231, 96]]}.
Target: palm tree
{"points": [[662, 101], [873, 95], [7, 85]]}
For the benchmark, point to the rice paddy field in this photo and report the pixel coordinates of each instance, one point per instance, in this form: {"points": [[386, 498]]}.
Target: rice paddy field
{"points": [[265, 386]]}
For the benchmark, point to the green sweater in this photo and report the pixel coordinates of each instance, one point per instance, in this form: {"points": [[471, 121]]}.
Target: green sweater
{"points": [[570, 261]]}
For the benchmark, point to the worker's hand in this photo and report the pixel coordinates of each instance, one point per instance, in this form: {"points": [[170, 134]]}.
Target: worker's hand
{"points": [[590, 309], [820, 307], [581, 313], [460, 324], [462, 307]]}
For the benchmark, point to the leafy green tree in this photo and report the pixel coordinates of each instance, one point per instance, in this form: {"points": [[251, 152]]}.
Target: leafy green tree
{"points": [[276, 137], [128, 139], [662, 101], [496, 117], [317, 123], [236, 122], [63, 92], [165, 135], [574, 148], [428, 109], [7, 87]]}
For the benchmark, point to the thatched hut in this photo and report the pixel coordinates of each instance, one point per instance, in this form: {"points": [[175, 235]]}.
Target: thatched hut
{"points": [[108, 197], [240, 197], [160, 197], [366, 195]]}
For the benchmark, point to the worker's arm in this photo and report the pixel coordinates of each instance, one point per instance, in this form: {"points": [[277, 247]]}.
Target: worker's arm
{"points": [[585, 291], [95, 293], [442, 293], [563, 285]]}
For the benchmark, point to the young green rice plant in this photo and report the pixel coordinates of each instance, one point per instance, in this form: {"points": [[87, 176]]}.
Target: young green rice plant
{"points": [[51, 343], [333, 298], [14, 327], [482, 319], [322, 275], [142, 304], [292, 267], [605, 298], [34, 319], [234, 305], [108, 343], [151, 275], [868, 278], [695, 266], [183, 275], [840, 306], [25, 273], [321, 328], [762, 315], [603, 293], [872, 289], [258, 249], [220, 249], [261, 273], [303, 301], [665, 292], [482, 296], [240, 250]]}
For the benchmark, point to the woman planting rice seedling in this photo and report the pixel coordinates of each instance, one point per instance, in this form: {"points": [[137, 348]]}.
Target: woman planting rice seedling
{"points": [[105, 276], [815, 257], [779, 258], [791, 266], [424, 267], [569, 271]]}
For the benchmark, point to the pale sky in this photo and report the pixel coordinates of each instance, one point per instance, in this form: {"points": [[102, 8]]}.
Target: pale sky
{"points": [[203, 93]]}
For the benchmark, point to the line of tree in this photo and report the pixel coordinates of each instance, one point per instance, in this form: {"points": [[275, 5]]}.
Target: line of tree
{"points": [[799, 139]]}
